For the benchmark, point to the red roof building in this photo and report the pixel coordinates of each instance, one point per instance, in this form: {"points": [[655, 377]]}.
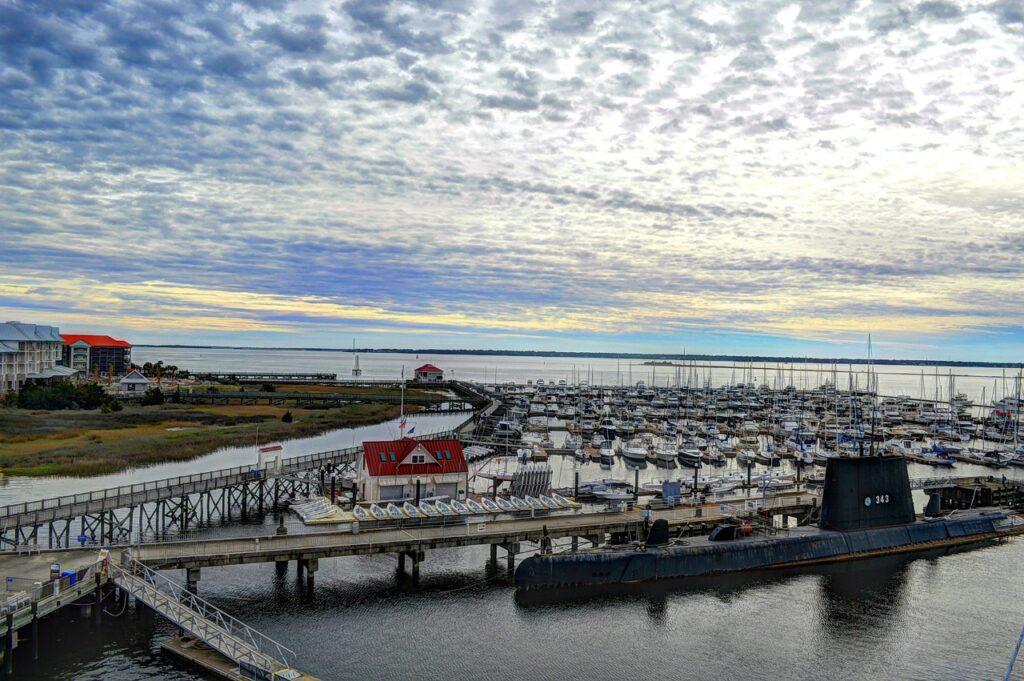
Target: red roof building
{"points": [[92, 354], [390, 470], [428, 373]]}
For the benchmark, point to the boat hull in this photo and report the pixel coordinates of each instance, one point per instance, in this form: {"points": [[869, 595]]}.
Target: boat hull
{"points": [[609, 566]]}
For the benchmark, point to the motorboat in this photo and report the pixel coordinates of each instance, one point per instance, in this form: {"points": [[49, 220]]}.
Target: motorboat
{"points": [[634, 452]]}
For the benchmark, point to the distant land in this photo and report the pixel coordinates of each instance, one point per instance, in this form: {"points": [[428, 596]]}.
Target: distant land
{"points": [[659, 358]]}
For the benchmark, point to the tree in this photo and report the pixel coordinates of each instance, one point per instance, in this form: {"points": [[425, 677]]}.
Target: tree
{"points": [[153, 396]]}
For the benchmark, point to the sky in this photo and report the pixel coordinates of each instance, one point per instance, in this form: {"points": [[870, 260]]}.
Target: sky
{"points": [[750, 177]]}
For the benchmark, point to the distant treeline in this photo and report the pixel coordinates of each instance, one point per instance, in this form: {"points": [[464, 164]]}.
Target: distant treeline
{"points": [[689, 357]]}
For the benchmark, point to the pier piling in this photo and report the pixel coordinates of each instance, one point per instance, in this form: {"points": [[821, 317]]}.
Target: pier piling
{"points": [[192, 579]]}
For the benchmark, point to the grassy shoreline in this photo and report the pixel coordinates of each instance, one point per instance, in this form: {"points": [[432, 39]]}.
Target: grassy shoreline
{"points": [[82, 444]]}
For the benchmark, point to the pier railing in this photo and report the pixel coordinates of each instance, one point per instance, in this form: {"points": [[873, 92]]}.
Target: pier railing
{"points": [[30, 513], [229, 635]]}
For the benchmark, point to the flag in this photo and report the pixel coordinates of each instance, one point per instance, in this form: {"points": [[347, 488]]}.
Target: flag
{"points": [[411, 430]]}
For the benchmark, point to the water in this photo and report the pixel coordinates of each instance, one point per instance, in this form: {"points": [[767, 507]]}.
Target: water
{"points": [[932, 616], [916, 381]]}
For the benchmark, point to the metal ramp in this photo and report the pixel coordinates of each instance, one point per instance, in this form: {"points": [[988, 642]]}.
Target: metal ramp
{"points": [[258, 656]]}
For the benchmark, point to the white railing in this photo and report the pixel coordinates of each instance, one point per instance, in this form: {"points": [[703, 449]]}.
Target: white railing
{"points": [[229, 635]]}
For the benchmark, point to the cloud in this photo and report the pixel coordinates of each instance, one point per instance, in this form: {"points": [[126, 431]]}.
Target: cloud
{"points": [[515, 170]]}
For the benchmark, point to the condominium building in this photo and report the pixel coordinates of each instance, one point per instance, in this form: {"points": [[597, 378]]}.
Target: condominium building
{"points": [[29, 352], [101, 355]]}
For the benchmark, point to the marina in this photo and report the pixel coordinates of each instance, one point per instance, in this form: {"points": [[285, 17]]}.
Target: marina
{"points": [[708, 456]]}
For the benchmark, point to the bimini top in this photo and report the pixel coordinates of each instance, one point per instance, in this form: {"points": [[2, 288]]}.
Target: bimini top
{"points": [[866, 491]]}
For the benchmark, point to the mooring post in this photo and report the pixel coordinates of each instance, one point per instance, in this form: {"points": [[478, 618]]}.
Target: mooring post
{"points": [[576, 485], [99, 596], [511, 550], [36, 592], [417, 557], [494, 554], [9, 644], [282, 567], [575, 543], [311, 567], [401, 561], [192, 579], [636, 485]]}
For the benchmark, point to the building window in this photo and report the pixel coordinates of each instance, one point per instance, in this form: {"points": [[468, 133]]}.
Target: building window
{"points": [[447, 455], [391, 455], [382, 457]]}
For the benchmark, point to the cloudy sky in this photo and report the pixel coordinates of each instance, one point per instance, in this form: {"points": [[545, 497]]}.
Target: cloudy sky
{"points": [[756, 176]]}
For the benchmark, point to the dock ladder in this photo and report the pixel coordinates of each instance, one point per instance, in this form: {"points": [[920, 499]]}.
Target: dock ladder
{"points": [[258, 656]]}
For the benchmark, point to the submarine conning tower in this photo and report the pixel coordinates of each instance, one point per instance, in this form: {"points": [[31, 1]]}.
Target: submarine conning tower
{"points": [[862, 492]]}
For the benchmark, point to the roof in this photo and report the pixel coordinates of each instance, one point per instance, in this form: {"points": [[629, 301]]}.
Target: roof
{"points": [[57, 371], [101, 341], [134, 376], [446, 457], [429, 368], [17, 331]]}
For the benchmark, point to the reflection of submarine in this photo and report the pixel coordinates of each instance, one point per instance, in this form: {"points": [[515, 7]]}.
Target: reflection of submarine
{"points": [[866, 511]]}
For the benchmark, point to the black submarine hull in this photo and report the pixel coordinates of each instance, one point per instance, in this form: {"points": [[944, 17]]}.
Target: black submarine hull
{"points": [[810, 546]]}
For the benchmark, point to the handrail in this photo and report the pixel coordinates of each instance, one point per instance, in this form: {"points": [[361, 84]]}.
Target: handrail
{"points": [[270, 652], [251, 472]]}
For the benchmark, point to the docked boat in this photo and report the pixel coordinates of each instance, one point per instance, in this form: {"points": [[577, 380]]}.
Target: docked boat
{"points": [[635, 452], [505, 505], [519, 504], [866, 511], [428, 509], [444, 508], [606, 455], [459, 507], [360, 513], [489, 505], [689, 457], [378, 513], [394, 512], [411, 510]]}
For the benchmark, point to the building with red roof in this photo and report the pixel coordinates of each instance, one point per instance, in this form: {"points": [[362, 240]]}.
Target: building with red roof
{"points": [[428, 373], [93, 354], [390, 470]]}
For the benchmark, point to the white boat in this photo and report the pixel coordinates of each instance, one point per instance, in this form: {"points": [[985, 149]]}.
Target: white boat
{"points": [[520, 504], [459, 507], [360, 513], [613, 495], [411, 510], [561, 501], [505, 505], [475, 506], [635, 452], [548, 501], [444, 508], [428, 509], [722, 487], [394, 512], [774, 483], [378, 512], [534, 503]]}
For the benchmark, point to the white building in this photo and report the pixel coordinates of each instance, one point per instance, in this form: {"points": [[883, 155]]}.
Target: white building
{"points": [[392, 470], [134, 382], [29, 351]]}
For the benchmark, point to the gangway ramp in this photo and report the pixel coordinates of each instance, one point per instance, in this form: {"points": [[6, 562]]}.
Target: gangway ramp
{"points": [[257, 656]]}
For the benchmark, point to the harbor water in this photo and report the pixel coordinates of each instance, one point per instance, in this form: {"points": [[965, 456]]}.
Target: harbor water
{"points": [[928, 616]]}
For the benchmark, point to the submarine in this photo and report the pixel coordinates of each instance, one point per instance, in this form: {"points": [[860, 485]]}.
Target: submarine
{"points": [[866, 511]]}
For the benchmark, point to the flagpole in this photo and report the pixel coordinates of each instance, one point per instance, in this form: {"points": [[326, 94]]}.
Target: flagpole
{"points": [[401, 421]]}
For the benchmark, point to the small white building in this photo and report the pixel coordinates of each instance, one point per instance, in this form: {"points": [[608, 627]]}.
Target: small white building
{"points": [[132, 383], [428, 373], [389, 471]]}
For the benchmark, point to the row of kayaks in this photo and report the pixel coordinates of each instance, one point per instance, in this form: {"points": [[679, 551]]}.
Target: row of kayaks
{"points": [[437, 509]]}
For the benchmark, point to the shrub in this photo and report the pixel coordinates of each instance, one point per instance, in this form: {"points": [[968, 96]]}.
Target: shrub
{"points": [[268, 388], [153, 396], [287, 418]]}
